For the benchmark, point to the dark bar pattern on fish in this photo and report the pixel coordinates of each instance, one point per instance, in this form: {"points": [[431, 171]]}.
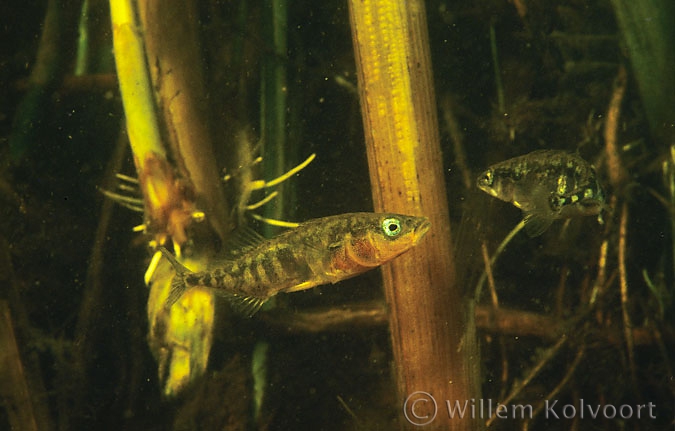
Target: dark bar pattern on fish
{"points": [[319, 251]]}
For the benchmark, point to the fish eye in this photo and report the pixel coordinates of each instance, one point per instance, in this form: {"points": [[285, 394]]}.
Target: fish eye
{"points": [[391, 226], [486, 179]]}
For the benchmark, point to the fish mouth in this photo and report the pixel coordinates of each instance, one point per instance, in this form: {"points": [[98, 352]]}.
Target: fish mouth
{"points": [[489, 190]]}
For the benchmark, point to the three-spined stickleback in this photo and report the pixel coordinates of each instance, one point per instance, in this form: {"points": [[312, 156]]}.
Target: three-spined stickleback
{"points": [[319, 251], [547, 185]]}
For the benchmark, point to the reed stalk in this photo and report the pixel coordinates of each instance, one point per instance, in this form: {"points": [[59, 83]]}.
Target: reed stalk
{"points": [[172, 44], [134, 81], [433, 342], [163, 200], [171, 93]]}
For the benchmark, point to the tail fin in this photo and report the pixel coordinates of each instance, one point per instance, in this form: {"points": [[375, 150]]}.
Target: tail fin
{"points": [[178, 285]]}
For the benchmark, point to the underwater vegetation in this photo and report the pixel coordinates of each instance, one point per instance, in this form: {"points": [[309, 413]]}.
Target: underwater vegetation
{"points": [[273, 147]]}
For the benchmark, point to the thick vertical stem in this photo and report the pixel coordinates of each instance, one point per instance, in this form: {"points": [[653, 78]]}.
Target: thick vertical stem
{"points": [[134, 81], [433, 350], [164, 201], [172, 43]]}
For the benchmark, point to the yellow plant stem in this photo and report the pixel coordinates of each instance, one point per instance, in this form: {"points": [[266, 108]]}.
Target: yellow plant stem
{"points": [[434, 348], [180, 338], [134, 81], [167, 210]]}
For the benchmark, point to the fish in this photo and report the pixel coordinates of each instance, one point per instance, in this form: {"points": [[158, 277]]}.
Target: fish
{"points": [[319, 251], [546, 185]]}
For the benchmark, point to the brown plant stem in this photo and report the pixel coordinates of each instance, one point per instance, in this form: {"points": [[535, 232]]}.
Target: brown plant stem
{"points": [[623, 282], [502, 321], [172, 47], [617, 173], [23, 413], [454, 129], [434, 351]]}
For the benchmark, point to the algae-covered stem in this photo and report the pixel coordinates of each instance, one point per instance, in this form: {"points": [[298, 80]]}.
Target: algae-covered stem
{"points": [[434, 350]]}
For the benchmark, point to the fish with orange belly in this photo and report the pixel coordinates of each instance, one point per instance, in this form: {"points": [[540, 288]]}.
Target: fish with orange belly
{"points": [[319, 251]]}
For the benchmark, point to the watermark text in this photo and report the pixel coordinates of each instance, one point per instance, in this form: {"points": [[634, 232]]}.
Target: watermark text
{"points": [[421, 408]]}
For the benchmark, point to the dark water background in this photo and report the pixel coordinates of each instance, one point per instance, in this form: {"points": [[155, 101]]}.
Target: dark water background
{"points": [[558, 68]]}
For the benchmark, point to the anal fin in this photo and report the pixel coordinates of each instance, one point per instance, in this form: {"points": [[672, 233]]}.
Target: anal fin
{"points": [[244, 305]]}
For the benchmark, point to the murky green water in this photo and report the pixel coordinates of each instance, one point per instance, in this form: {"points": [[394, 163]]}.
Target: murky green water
{"points": [[508, 81]]}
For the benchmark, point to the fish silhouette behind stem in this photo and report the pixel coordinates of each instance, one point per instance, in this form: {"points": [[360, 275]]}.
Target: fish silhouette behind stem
{"points": [[547, 185], [319, 251]]}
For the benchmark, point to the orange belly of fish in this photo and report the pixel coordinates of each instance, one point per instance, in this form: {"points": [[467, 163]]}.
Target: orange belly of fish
{"points": [[354, 258]]}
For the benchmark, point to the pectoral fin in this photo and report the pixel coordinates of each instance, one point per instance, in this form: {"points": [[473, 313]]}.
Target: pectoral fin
{"points": [[536, 224], [539, 214]]}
